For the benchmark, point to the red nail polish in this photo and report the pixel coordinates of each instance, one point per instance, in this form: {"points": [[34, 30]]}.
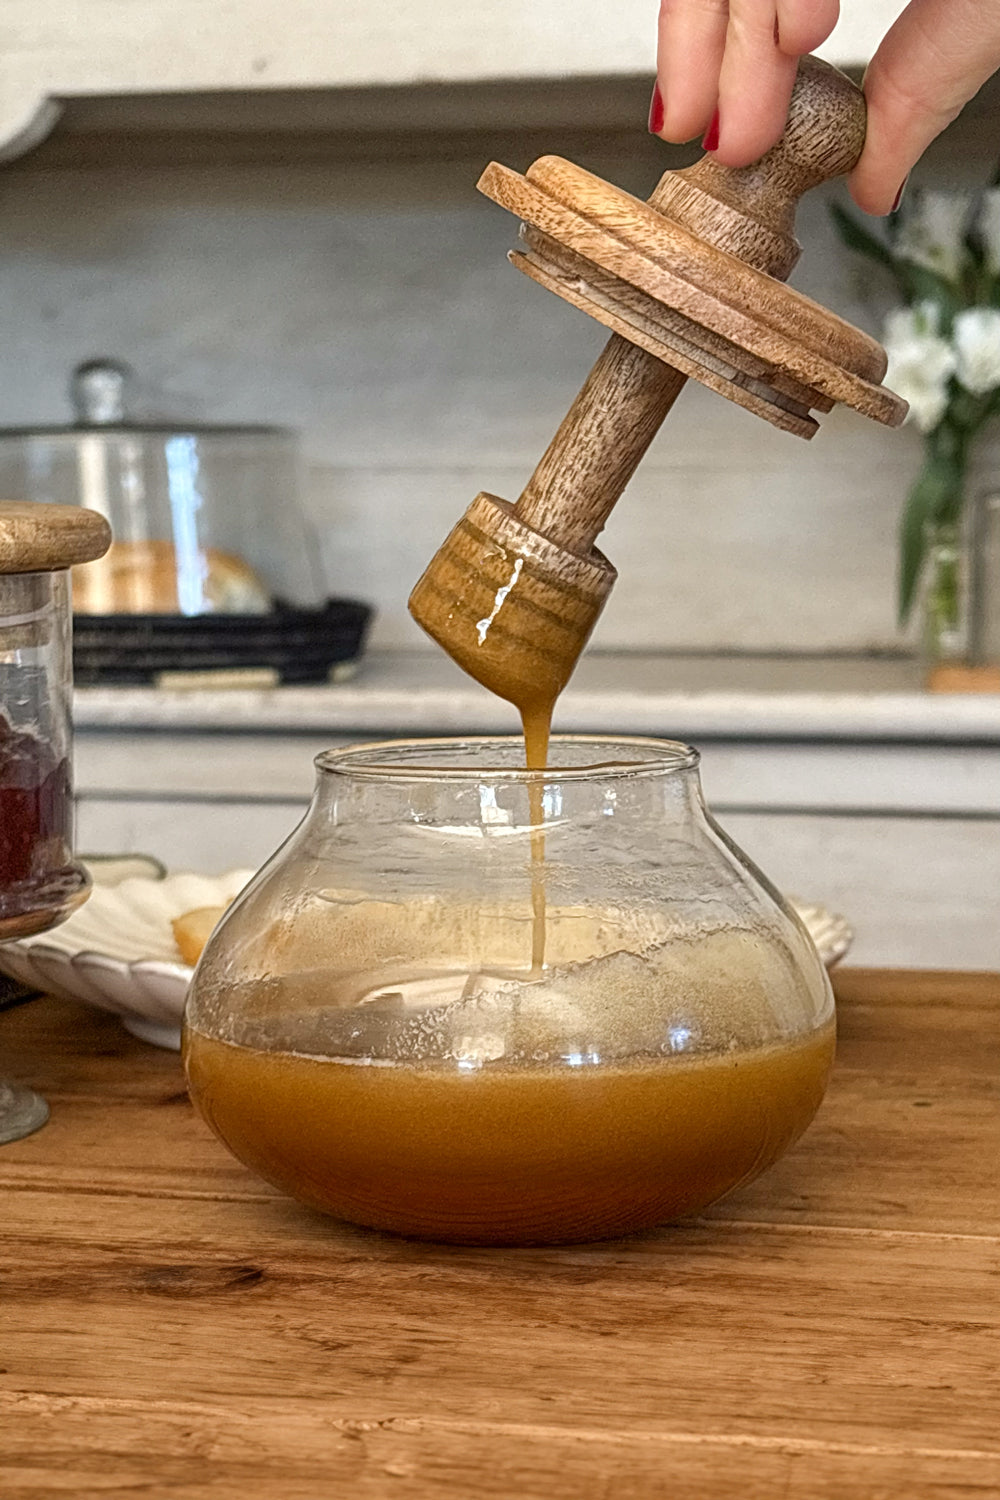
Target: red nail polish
{"points": [[656, 111], [899, 196], [711, 141]]}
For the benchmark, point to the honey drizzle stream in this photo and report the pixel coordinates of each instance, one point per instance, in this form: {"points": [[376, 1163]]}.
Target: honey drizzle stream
{"points": [[536, 721]]}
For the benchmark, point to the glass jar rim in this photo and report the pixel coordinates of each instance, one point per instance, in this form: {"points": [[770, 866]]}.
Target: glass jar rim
{"points": [[393, 760]]}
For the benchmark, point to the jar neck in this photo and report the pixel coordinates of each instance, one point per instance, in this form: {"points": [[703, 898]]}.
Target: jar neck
{"points": [[625, 788]]}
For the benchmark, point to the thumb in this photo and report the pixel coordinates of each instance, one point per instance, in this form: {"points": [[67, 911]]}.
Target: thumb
{"points": [[929, 65]]}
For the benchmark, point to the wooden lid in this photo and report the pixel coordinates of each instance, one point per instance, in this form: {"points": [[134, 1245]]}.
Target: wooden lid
{"points": [[695, 276], [36, 538]]}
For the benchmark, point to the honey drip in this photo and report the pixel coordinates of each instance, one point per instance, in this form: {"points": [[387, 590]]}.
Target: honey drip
{"points": [[536, 721]]}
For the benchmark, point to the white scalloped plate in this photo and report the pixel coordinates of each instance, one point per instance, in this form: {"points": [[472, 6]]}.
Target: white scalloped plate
{"points": [[831, 934], [117, 952]]}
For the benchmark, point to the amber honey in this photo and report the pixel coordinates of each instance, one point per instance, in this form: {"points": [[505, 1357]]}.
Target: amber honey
{"points": [[509, 1154], [536, 722]]}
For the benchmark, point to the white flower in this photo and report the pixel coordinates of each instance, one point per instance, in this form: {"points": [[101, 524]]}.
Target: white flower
{"points": [[977, 347], [921, 363], [933, 233], [988, 225]]}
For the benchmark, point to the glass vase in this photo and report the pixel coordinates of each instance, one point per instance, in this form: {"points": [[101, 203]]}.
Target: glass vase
{"points": [[961, 600], [945, 625], [984, 579]]}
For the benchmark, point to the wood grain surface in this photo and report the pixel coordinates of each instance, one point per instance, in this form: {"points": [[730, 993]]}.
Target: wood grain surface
{"points": [[171, 1326]]}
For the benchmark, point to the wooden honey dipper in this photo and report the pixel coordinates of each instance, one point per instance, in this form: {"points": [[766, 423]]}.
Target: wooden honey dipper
{"points": [[691, 283]]}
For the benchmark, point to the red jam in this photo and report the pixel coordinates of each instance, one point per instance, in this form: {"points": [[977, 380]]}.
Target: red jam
{"points": [[39, 883]]}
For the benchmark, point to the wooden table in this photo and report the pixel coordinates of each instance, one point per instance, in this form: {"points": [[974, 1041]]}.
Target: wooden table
{"points": [[169, 1326]]}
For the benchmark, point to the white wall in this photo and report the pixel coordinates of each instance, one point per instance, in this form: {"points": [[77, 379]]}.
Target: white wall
{"points": [[369, 303]]}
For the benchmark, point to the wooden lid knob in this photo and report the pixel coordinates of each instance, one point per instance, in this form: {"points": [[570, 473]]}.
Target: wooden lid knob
{"points": [[37, 538], [750, 211]]}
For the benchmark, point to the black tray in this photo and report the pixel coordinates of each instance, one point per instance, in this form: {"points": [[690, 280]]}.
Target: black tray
{"points": [[298, 645]]}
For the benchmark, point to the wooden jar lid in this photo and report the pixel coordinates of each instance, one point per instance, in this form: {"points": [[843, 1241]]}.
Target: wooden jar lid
{"points": [[37, 538], [695, 275]]}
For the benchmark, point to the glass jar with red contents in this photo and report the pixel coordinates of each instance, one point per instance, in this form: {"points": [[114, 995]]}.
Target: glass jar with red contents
{"points": [[40, 882]]}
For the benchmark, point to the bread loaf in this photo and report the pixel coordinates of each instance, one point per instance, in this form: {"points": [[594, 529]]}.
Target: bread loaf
{"points": [[142, 578], [193, 929]]}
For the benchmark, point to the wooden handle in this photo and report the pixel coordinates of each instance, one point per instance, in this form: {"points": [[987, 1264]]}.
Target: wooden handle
{"points": [[597, 448], [750, 211]]}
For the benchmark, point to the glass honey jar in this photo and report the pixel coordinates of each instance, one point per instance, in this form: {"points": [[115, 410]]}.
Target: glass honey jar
{"points": [[471, 1002]]}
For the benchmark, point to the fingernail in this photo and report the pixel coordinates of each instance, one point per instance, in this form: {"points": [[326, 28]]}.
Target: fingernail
{"points": [[656, 111], [899, 196], [711, 141]]}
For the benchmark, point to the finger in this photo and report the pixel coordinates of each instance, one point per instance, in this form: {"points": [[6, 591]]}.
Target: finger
{"points": [[755, 84], [804, 25], [690, 42], [931, 62]]}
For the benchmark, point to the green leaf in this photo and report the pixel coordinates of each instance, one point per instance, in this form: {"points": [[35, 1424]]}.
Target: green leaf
{"points": [[912, 543], [921, 285], [965, 411], [947, 456], [985, 287], [974, 248], [976, 278], [856, 237]]}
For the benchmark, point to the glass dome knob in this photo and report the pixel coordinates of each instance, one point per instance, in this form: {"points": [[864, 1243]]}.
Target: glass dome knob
{"points": [[98, 390]]}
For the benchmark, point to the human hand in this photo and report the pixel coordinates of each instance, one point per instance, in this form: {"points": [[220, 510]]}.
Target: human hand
{"points": [[728, 68]]}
